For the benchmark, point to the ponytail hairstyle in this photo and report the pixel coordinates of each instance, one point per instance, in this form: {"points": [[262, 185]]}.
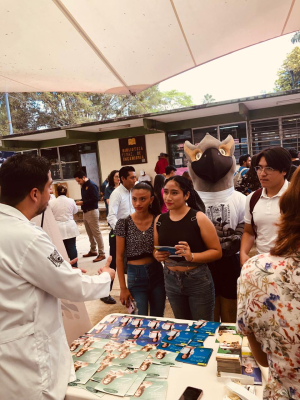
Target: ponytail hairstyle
{"points": [[154, 208], [159, 183], [288, 239], [61, 190], [194, 201]]}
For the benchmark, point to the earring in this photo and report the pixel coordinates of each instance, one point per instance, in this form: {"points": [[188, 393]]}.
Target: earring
{"points": [[150, 205]]}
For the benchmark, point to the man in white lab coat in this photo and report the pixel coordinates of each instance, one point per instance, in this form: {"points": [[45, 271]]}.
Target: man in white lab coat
{"points": [[35, 358]]}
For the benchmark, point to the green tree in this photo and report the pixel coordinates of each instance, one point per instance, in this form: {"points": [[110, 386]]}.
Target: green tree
{"points": [[208, 98], [30, 111], [289, 73], [296, 37]]}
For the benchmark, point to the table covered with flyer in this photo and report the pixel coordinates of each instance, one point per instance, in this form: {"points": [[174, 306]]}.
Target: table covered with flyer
{"points": [[156, 358]]}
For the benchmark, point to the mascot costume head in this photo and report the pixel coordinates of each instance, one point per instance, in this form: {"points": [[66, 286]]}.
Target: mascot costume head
{"points": [[211, 163]]}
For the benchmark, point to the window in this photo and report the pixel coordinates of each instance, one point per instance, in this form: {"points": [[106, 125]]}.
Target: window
{"points": [[176, 152], [291, 132], [31, 152], [265, 134], [70, 160], [66, 160], [52, 156], [239, 134], [201, 132]]}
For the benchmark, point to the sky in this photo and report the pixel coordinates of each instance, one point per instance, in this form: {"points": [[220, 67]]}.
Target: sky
{"points": [[244, 73]]}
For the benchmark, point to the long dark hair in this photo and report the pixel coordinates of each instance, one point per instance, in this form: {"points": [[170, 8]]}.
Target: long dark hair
{"points": [[159, 183], [251, 173], [194, 201], [111, 178], [288, 238], [154, 208]]}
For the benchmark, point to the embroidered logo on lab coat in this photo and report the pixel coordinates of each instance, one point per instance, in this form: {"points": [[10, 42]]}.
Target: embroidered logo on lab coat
{"points": [[56, 258]]}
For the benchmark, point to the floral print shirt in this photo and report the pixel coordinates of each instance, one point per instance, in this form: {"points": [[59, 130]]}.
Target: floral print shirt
{"points": [[269, 307]]}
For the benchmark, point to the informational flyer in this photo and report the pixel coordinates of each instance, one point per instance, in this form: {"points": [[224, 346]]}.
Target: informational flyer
{"points": [[154, 370], [194, 355], [151, 389], [170, 347], [117, 382], [89, 354], [180, 338], [140, 377], [129, 358], [84, 371], [163, 357]]}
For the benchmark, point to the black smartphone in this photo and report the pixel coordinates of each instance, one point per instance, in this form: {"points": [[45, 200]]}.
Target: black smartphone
{"points": [[191, 393]]}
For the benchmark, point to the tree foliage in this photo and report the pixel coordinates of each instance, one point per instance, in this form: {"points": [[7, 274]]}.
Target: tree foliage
{"points": [[208, 98], [296, 37], [289, 73], [31, 111]]}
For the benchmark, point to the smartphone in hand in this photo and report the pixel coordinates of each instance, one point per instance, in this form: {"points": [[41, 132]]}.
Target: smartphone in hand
{"points": [[131, 307]]}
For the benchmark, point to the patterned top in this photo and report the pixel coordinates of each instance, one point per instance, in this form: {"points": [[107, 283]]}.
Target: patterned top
{"points": [[268, 307], [138, 244]]}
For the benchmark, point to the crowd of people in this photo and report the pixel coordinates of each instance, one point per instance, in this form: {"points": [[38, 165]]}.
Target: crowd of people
{"points": [[169, 227], [165, 238]]}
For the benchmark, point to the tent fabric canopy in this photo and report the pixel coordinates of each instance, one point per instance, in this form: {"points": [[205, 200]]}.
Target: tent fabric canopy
{"points": [[126, 46]]}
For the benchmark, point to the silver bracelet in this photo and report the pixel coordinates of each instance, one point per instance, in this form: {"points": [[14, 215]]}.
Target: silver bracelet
{"points": [[192, 258]]}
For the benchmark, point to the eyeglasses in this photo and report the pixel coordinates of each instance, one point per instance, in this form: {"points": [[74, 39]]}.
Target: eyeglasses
{"points": [[268, 170]]}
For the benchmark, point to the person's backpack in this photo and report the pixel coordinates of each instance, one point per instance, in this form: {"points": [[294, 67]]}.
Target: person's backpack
{"points": [[238, 177], [254, 199]]}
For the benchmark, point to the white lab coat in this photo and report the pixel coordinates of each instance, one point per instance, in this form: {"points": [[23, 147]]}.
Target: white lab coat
{"points": [[63, 209], [35, 359]]}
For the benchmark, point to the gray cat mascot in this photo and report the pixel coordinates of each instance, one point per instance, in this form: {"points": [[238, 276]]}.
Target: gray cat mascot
{"points": [[212, 165]]}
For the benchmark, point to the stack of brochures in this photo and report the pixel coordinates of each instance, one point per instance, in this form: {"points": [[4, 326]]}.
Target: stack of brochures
{"points": [[230, 350], [132, 356], [249, 364]]}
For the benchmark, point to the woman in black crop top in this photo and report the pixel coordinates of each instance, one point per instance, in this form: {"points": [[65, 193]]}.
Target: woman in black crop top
{"points": [[135, 239], [188, 282]]}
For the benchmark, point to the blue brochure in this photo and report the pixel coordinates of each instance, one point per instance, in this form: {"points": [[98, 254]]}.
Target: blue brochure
{"points": [[209, 327], [194, 355], [169, 347], [170, 249], [196, 344], [200, 337], [181, 327], [180, 338]]}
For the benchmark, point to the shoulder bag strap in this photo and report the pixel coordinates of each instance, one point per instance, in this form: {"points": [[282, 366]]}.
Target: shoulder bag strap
{"points": [[254, 199]]}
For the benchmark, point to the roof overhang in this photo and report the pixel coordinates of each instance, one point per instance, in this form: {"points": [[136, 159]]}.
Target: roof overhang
{"points": [[150, 123], [126, 46]]}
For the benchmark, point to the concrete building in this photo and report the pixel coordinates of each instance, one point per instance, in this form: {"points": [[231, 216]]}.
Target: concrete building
{"points": [[254, 122]]}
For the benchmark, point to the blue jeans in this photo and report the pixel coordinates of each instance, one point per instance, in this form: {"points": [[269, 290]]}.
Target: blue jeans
{"points": [[146, 284], [70, 245], [191, 293]]}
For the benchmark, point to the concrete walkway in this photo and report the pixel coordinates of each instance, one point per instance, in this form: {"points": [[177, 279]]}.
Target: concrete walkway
{"points": [[96, 308]]}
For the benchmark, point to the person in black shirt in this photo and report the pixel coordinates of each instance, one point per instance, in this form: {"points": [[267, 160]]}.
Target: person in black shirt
{"points": [[89, 206]]}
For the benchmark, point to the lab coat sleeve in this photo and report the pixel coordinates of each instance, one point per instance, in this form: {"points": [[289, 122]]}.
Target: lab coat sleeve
{"points": [[75, 208], [44, 267], [114, 203]]}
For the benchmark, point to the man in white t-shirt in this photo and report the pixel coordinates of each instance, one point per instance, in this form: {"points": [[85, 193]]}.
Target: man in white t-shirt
{"points": [[272, 167]]}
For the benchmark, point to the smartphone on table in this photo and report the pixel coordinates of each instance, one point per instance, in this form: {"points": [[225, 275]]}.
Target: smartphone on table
{"points": [[191, 393]]}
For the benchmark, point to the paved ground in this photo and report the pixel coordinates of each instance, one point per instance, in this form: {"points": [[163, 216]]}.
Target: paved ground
{"points": [[97, 309]]}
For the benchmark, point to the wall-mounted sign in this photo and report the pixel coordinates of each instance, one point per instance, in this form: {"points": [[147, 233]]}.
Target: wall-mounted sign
{"points": [[133, 150]]}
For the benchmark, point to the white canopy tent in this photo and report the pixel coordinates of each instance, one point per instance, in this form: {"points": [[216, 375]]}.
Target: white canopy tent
{"points": [[126, 46]]}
